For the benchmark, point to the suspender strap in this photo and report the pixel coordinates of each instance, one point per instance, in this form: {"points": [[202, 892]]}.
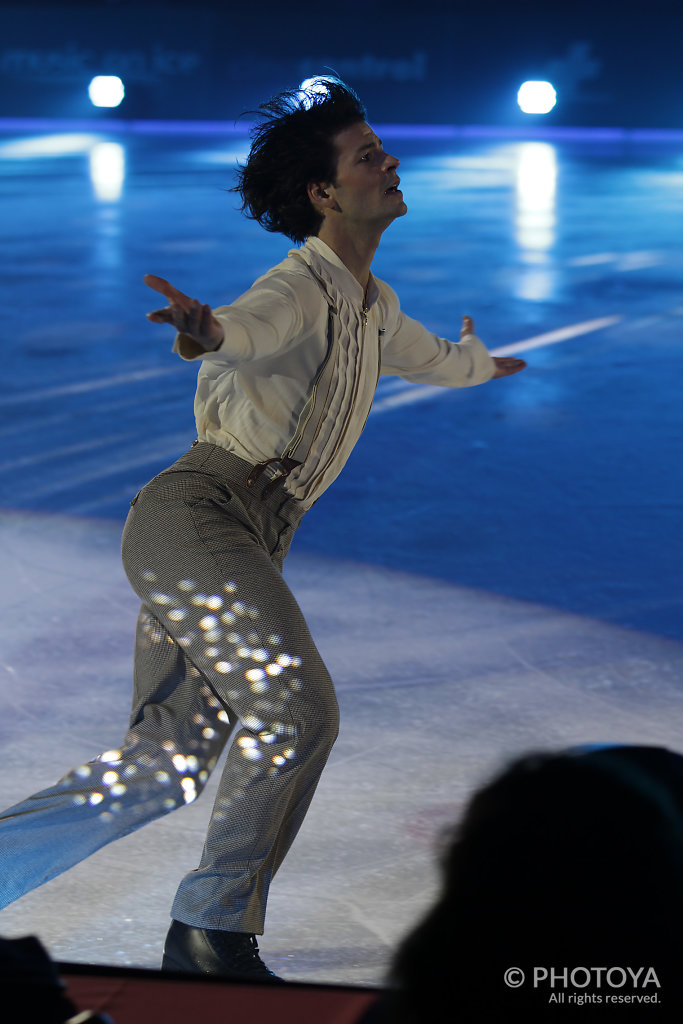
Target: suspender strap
{"points": [[285, 463]]}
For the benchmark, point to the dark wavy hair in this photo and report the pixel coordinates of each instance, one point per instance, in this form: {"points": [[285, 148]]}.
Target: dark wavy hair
{"points": [[291, 147]]}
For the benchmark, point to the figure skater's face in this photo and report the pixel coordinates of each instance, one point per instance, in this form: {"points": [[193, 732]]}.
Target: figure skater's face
{"points": [[365, 189]]}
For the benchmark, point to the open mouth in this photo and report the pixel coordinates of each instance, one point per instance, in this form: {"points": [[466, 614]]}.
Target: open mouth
{"points": [[392, 189]]}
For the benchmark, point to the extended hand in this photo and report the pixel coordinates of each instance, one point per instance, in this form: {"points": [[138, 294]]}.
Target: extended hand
{"points": [[507, 365], [187, 315]]}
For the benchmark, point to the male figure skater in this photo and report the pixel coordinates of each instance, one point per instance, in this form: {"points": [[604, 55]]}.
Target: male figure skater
{"points": [[286, 380]]}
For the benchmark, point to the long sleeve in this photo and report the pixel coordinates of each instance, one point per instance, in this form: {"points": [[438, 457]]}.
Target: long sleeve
{"points": [[257, 325], [414, 353]]}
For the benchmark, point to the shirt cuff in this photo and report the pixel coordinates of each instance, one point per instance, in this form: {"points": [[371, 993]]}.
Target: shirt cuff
{"points": [[187, 348], [483, 365]]}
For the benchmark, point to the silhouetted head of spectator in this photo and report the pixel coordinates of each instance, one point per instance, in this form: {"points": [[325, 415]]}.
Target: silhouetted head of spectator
{"points": [[30, 986], [292, 146], [564, 860]]}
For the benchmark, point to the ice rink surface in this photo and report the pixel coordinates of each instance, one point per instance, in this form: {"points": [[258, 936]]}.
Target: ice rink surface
{"points": [[497, 569]]}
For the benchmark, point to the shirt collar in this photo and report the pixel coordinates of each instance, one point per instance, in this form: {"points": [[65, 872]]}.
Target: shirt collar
{"points": [[341, 276]]}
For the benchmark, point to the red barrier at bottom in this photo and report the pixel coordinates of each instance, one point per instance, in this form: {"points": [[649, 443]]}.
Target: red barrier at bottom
{"points": [[134, 996]]}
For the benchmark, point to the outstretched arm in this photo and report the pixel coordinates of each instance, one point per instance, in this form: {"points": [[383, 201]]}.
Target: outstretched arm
{"points": [[187, 315], [418, 355]]}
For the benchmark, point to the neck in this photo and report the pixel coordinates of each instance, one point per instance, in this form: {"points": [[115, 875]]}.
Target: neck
{"points": [[356, 252]]}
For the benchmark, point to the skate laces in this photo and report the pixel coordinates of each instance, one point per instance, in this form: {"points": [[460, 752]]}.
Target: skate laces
{"points": [[242, 951]]}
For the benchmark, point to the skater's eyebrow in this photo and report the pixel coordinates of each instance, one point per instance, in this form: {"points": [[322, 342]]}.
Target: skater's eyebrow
{"points": [[375, 143]]}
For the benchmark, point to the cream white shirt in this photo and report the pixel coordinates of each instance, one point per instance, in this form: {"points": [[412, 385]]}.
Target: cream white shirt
{"points": [[297, 370]]}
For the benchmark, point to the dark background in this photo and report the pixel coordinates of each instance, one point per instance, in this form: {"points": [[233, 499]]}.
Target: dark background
{"points": [[613, 63]]}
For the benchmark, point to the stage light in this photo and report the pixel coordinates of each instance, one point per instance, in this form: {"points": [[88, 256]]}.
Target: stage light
{"points": [[106, 91], [536, 97], [312, 87]]}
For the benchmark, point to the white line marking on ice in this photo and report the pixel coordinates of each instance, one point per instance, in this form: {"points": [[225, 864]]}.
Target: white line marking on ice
{"points": [[89, 385], [58, 453], [593, 260], [553, 337], [623, 261], [639, 260], [133, 459]]}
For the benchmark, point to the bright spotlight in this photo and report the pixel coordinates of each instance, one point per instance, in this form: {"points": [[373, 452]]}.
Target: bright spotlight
{"points": [[312, 87], [106, 91], [536, 97]]}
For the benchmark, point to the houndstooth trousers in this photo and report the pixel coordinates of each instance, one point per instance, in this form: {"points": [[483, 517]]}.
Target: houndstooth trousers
{"points": [[221, 645]]}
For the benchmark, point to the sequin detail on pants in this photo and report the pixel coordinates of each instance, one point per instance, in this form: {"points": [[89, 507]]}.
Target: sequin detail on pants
{"points": [[221, 647]]}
